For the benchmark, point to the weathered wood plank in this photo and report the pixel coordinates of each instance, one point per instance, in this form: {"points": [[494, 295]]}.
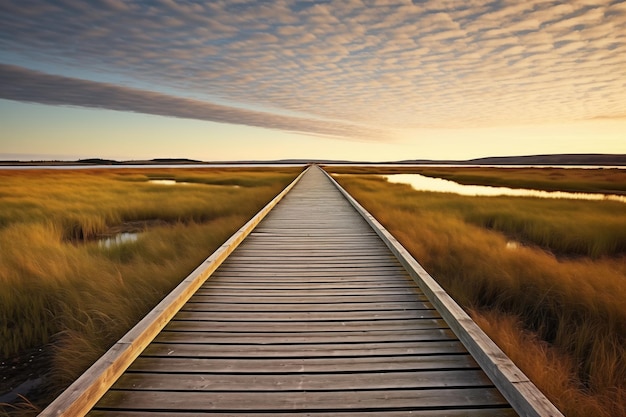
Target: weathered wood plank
{"points": [[304, 350], [480, 412], [304, 400], [303, 268], [337, 256], [353, 287], [447, 359], [303, 326], [257, 307], [151, 381], [304, 337], [313, 251], [318, 276], [308, 299], [284, 316], [276, 291]]}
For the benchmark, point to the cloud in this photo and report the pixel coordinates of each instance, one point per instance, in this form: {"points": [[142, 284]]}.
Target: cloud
{"points": [[344, 66], [21, 84]]}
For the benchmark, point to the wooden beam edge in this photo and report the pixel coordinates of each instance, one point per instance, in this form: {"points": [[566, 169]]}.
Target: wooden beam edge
{"points": [[525, 398], [85, 392]]}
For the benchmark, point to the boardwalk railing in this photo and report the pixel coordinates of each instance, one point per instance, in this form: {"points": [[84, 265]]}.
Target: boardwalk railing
{"points": [[81, 396], [514, 385]]}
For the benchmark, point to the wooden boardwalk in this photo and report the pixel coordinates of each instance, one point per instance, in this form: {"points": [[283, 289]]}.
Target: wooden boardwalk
{"points": [[315, 310], [311, 315]]}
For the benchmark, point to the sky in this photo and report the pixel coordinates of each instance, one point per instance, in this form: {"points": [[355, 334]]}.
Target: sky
{"points": [[371, 80]]}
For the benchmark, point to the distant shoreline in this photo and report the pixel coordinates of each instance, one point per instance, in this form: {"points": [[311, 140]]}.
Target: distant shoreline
{"points": [[529, 160]]}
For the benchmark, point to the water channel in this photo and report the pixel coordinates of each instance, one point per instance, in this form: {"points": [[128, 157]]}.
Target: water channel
{"points": [[423, 183], [167, 182]]}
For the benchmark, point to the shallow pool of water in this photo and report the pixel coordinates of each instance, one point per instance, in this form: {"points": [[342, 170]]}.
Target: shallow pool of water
{"points": [[168, 182], [512, 245], [423, 183], [118, 239], [21, 390], [174, 182]]}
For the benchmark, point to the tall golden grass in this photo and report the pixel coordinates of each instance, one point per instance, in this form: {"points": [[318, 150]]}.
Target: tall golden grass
{"points": [[556, 372], [573, 304], [62, 290]]}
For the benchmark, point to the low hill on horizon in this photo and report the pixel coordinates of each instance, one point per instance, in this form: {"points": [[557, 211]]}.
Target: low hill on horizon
{"points": [[539, 160], [548, 159]]}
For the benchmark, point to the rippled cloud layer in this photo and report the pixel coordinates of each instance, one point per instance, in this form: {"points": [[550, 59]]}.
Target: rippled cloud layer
{"points": [[351, 68], [31, 86]]}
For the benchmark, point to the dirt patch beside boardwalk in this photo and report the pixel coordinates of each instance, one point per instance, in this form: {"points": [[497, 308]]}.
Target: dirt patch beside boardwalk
{"points": [[22, 379]]}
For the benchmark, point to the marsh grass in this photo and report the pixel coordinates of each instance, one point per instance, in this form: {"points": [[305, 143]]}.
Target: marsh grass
{"points": [[64, 291], [555, 372], [605, 180], [574, 304], [564, 227]]}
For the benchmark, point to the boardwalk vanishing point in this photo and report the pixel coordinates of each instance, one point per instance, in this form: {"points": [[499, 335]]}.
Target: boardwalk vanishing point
{"points": [[312, 310]]}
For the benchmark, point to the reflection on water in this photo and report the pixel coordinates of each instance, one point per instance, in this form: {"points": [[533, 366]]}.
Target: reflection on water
{"points": [[511, 245], [167, 182], [21, 390], [174, 182], [423, 183], [118, 239]]}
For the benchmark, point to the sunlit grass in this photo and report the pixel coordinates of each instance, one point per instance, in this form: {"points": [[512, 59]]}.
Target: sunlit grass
{"points": [[554, 371], [573, 302], [60, 288], [564, 227]]}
